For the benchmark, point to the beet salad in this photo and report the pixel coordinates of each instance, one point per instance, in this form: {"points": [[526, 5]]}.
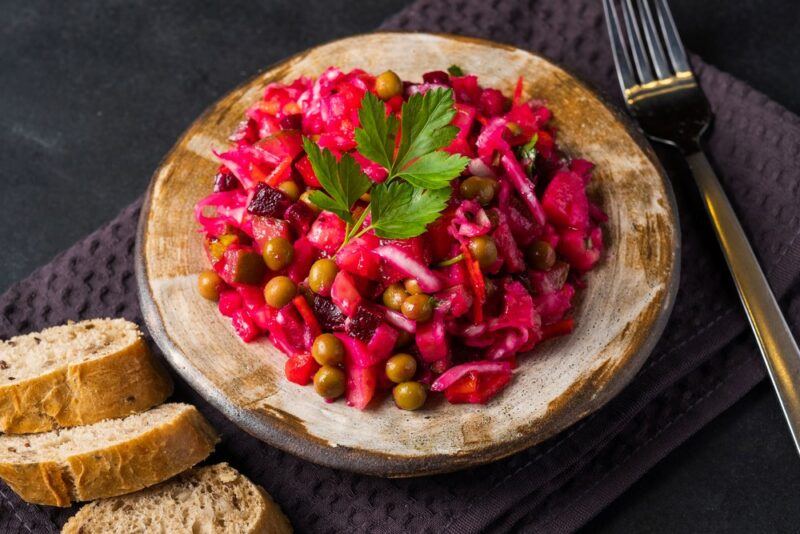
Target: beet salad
{"points": [[393, 236]]}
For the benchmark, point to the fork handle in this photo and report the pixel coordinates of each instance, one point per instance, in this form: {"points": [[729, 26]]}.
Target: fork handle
{"points": [[774, 338]]}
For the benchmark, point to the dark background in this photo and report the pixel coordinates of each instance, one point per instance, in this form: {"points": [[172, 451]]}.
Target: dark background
{"points": [[94, 93]]}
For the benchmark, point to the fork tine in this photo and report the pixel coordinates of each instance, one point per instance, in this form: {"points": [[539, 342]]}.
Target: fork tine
{"points": [[660, 63], [672, 38], [624, 69], [640, 58]]}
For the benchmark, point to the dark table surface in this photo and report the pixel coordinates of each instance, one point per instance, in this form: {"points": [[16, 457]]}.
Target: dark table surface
{"points": [[94, 93]]}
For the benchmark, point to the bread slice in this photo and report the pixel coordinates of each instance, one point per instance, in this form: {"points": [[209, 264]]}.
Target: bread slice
{"points": [[108, 458], [208, 499], [77, 374]]}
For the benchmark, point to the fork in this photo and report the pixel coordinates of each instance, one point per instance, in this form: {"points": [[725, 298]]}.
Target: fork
{"points": [[662, 94]]}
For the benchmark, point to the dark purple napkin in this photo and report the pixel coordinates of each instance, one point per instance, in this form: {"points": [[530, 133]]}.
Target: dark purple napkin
{"points": [[704, 362]]}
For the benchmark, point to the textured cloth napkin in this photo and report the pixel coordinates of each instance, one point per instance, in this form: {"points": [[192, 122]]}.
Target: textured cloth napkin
{"points": [[705, 361]]}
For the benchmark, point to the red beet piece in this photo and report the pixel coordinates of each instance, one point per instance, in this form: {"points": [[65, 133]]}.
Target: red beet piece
{"points": [[357, 258], [225, 181], [492, 102], [466, 89], [268, 202], [580, 250], [300, 217], [246, 132], [436, 76], [565, 201], [244, 326], [364, 323], [327, 232], [292, 122], [361, 384], [330, 317]]}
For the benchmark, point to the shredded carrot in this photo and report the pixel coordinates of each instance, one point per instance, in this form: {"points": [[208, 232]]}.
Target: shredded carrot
{"points": [[307, 314], [561, 328], [478, 284], [277, 175], [518, 92]]}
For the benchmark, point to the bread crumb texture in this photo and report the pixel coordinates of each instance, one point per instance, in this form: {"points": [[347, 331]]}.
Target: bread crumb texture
{"points": [[108, 458], [77, 374], [213, 499]]}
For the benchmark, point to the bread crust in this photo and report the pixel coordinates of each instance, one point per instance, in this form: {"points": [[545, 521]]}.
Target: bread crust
{"points": [[100, 516], [272, 519], [147, 459], [127, 381]]}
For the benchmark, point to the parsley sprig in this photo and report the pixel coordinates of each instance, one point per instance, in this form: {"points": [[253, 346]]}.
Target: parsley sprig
{"points": [[343, 182], [400, 210], [416, 189]]}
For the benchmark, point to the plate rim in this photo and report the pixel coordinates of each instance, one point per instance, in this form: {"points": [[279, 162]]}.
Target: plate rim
{"points": [[275, 432]]}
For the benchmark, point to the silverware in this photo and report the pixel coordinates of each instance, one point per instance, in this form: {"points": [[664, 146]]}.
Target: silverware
{"points": [[662, 94]]}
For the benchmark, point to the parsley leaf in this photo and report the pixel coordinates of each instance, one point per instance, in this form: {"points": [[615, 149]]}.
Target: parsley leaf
{"points": [[527, 154], [434, 170], [400, 210], [455, 70], [528, 150], [344, 183], [377, 133], [426, 126]]}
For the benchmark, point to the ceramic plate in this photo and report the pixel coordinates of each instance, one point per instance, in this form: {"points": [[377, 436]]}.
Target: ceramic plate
{"points": [[619, 317]]}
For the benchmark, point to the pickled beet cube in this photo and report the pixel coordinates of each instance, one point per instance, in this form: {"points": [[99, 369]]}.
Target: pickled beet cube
{"points": [[552, 306], [564, 201], [246, 132], [364, 323], [329, 316], [304, 257], [492, 102], [357, 258], [581, 250], [466, 89], [230, 301], [225, 181], [300, 216], [268, 202], [361, 384], [244, 326], [292, 122], [327, 232], [436, 76]]}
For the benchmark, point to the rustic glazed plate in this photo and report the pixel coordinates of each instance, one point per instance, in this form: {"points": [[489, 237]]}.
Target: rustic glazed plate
{"points": [[619, 317]]}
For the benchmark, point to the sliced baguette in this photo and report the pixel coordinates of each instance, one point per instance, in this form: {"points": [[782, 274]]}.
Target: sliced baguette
{"points": [[209, 499], [77, 374], [105, 459]]}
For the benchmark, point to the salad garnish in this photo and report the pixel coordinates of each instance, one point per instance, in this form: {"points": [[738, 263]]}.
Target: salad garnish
{"points": [[398, 210]]}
